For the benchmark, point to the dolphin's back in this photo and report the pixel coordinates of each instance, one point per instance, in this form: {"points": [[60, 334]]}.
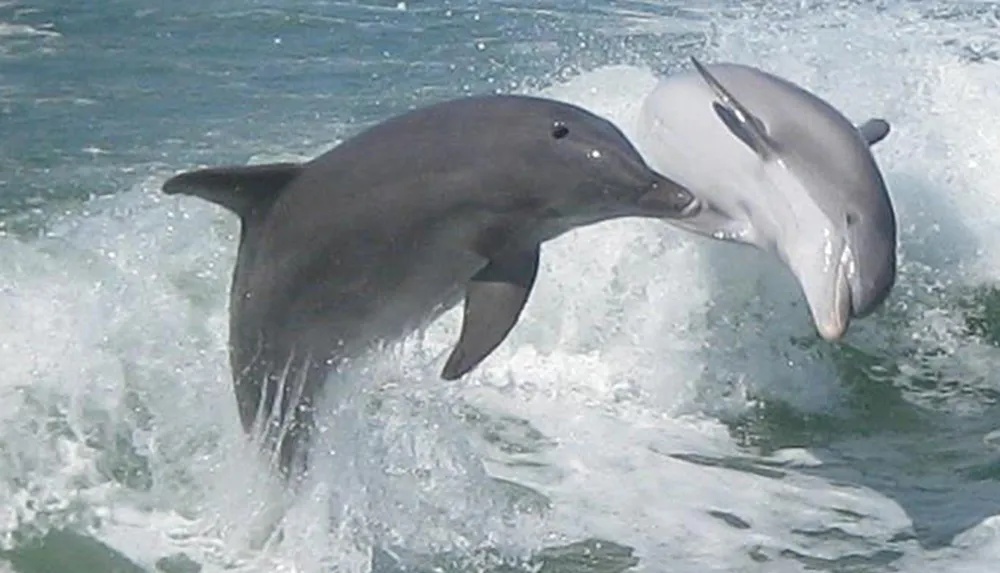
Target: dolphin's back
{"points": [[812, 132]]}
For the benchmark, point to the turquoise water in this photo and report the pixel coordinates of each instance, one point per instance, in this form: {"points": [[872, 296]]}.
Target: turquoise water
{"points": [[664, 404]]}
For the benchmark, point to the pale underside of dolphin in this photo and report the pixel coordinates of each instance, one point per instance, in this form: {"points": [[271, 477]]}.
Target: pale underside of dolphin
{"points": [[382, 234], [781, 169]]}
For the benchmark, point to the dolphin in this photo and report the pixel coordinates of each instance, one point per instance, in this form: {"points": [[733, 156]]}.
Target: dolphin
{"points": [[779, 168], [386, 231]]}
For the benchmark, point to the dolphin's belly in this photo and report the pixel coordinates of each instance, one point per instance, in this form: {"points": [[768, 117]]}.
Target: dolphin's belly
{"points": [[434, 284], [341, 311], [696, 150]]}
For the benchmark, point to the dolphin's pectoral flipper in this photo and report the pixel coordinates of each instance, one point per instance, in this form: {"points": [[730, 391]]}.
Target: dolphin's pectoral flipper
{"points": [[741, 129], [494, 299], [874, 130], [747, 127], [243, 189]]}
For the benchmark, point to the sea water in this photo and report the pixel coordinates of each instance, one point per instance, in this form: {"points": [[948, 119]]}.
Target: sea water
{"points": [[664, 403]]}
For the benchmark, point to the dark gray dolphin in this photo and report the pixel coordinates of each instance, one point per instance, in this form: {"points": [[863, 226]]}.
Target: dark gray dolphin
{"points": [[777, 167], [382, 234]]}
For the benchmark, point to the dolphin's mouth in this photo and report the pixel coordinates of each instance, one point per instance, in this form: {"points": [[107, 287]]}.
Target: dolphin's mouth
{"points": [[668, 199], [830, 298], [692, 208]]}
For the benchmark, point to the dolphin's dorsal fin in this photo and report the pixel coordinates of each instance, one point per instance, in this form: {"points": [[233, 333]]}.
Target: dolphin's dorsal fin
{"points": [[494, 299], [874, 130], [744, 125], [243, 189]]}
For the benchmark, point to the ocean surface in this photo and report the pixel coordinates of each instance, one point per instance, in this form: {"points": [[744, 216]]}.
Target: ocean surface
{"points": [[664, 405]]}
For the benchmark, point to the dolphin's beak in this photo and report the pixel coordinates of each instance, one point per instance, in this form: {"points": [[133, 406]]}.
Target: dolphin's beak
{"points": [[668, 199], [692, 209], [828, 295], [831, 327]]}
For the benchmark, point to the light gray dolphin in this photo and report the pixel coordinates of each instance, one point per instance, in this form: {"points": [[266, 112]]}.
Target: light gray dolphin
{"points": [[386, 231], [781, 169]]}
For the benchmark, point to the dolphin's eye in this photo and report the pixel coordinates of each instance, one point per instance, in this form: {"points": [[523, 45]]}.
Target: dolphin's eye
{"points": [[559, 130], [851, 219]]}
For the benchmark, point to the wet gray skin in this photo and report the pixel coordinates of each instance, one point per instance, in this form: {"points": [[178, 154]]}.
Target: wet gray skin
{"points": [[385, 232], [777, 167]]}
